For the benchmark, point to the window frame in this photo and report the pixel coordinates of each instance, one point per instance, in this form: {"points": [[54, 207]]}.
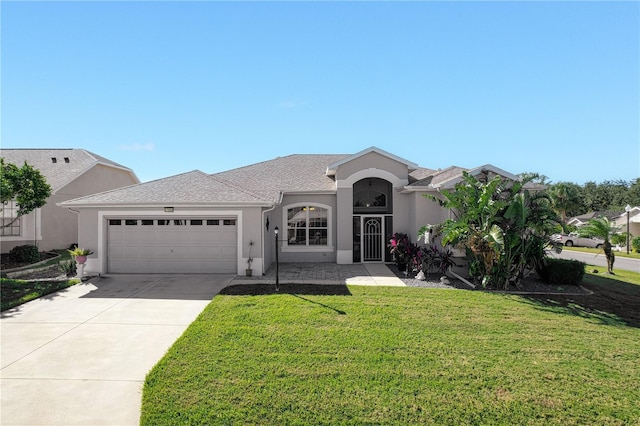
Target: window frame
{"points": [[11, 208], [286, 247]]}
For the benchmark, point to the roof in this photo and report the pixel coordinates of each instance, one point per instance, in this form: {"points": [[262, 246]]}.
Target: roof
{"points": [[264, 183], [58, 166], [191, 188], [293, 173], [333, 167]]}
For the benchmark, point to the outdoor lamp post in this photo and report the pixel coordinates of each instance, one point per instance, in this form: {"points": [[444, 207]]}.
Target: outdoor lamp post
{"points": [[275, 231], [627, 208]]}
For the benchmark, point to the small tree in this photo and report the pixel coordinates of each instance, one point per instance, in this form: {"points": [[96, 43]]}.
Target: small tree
{"points": [[600, 227], [25, 185]]}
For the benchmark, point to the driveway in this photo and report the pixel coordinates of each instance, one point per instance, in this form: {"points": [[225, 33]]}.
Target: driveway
{"points": [[80, 356]]}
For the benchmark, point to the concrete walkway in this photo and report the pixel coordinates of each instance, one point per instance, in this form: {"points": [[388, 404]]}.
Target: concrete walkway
{"points": [[80, 356]]}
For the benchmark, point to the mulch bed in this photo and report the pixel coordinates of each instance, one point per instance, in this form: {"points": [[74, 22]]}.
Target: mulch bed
{"points": [[531, 285]]}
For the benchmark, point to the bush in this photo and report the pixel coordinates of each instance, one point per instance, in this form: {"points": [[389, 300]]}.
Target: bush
{"points": [[635, 244], [68, 267], [24, 254], [562, 271]]}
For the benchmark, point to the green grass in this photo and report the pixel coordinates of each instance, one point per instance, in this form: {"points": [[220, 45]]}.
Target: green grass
{"points": [[16, 292], [396, 356]]}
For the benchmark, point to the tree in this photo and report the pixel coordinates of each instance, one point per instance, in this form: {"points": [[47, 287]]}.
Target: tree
{"points": [[566, 199], [600, 227], [25, 185]]}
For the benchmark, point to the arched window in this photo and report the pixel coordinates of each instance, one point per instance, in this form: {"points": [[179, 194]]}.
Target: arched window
{"points": [[308, 226], [372, 195]]}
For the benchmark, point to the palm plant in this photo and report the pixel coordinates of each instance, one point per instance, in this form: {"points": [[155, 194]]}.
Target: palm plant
{"points": [[565, 198], [503, 226], [602, 228]]}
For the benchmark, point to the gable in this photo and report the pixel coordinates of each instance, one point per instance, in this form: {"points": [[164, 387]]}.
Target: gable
{"points": [[60, 166]]}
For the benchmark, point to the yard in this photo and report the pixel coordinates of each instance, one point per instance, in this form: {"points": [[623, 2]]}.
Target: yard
{"points": [[372, 355]]}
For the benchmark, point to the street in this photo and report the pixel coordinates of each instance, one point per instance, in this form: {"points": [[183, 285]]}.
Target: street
{"points": [[599, 259]]}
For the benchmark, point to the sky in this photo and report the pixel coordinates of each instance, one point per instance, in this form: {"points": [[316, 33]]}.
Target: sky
{"points": [[169, 87]]}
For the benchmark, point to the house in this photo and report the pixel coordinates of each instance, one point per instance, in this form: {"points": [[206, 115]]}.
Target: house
{"points": [[632, 217], [327, 208], [71, 173]]}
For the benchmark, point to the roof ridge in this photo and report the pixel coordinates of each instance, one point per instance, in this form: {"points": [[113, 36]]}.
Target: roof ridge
{"points": [[239, 188]]}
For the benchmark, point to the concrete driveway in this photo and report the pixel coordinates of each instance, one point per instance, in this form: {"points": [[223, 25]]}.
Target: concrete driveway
{"points": [[80, 356]]}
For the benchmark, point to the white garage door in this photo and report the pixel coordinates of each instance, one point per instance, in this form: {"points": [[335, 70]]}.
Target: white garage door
{"points": [[172, 246]]}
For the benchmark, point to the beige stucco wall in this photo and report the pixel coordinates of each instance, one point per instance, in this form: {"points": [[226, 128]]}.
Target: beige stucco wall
{"points": [[372, 160], [427, 212], [59, 226]]}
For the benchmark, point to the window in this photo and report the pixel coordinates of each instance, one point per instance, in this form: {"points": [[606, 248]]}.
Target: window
{"points": [[372, 195], [147, 222], [213, 222], [196, 222], [229, 222], [163, 222], [131, 222], [115, 222], [9, 214], [179, 222], [307, 225]]}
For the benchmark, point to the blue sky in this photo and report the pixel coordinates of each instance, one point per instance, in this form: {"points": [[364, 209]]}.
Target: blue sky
{"points": [[169, 87]]}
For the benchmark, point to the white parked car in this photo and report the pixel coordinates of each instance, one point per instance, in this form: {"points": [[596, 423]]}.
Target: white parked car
{"points": [[574, 239]]}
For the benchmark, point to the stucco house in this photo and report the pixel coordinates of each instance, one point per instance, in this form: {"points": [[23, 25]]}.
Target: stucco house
{"points": [[327, 208], [71, 173], [632, 217]]}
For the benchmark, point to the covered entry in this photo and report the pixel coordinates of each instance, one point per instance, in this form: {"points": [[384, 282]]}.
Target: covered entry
{"points": [[172, 246]]}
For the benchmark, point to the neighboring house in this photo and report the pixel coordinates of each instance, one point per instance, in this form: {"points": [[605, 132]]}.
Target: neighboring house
{"points": [[634, 221], [72, 173], [328, 208], [583, 219]]}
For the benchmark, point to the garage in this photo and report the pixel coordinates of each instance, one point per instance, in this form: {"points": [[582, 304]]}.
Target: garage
{"points": [[172, 246]]}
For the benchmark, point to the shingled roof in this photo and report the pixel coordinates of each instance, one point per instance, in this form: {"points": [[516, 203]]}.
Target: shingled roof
{"points": [[257, 184], [58, 166], [195, 188], [293, 173]]}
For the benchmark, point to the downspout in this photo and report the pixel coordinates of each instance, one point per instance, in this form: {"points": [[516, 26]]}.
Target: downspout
{"points": [[262, 228]]}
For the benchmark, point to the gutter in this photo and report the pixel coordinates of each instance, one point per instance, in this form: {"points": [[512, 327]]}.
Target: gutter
{"points": [[279, 202]]}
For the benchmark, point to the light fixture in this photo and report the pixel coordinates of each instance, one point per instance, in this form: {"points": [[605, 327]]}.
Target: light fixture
{"points": [[628, 209], [168, 209]]}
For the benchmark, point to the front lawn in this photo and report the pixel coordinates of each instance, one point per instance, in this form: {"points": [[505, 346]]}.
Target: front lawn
{"points": [[382, 355], [17, 292]]}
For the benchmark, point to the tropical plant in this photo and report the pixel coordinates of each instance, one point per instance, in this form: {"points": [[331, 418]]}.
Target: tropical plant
{"points": [[77, 251], [503, 226], [403, 250], [566, 199], [601, 227], [25, 185], [68, 267]]}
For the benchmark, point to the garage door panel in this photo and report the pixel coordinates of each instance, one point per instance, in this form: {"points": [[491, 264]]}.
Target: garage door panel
{"points": [[172, 249]]}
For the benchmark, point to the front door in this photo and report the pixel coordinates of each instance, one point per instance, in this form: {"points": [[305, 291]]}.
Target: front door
{"points": [[372, 239]]}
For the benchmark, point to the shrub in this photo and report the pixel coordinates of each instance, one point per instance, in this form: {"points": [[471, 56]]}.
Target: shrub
{"points": [[562, 271], [635, 243], [68, 267], [25, 254]]}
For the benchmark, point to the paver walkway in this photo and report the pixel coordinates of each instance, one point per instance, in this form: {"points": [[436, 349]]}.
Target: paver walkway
{"points": [[373, 274]]}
